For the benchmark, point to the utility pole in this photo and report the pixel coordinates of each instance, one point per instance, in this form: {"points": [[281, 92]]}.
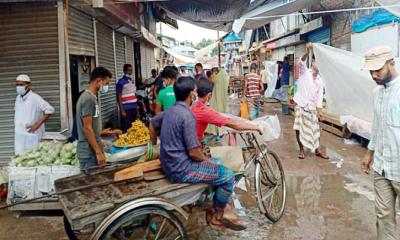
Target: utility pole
{"points": [[219, 51]]}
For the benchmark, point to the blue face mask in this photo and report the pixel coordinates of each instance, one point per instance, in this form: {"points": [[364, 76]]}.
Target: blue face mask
{"points": [[104, 88], [21, 90]]}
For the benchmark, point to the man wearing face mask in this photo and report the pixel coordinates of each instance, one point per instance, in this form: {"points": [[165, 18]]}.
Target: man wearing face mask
{"points": [[127, 101], [31, 112], [166, 97], [207, 115], [383, 150], [89, 150], [182, 157]]}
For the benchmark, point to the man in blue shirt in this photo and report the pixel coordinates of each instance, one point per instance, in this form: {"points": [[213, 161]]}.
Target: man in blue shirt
{"points": [[182, 157], [126, 95]]}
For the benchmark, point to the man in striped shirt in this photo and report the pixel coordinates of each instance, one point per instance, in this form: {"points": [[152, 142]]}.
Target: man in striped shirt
{"points": [[384, 147], [253, 88]]}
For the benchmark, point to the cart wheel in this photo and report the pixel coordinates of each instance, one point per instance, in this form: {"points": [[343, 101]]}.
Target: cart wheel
{"points": [[68, 230], [149, 222], [270, 185]]}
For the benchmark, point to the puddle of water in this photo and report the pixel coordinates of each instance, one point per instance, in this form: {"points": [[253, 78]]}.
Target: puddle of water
{"points": [[317, 207]]}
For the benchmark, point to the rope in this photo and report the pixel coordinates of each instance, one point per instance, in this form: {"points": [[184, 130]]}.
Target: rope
{"points": [[327, 11]]}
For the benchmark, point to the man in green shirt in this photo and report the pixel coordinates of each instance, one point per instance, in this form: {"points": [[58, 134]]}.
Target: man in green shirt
{"points": [[166, 97]]}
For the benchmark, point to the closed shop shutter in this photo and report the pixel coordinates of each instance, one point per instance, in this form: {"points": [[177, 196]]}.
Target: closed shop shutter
{"points": [[105, 52], [28, 44], [80, 33], [129, 50], [147, 58], [322, 35], [120, 53]]}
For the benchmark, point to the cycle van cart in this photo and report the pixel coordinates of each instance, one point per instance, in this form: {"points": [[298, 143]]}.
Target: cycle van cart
{"points": [[150, 206]]}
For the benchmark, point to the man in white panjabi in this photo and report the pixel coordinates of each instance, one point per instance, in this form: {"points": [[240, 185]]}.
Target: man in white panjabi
{"points": [[308, 99], [31, 112]]}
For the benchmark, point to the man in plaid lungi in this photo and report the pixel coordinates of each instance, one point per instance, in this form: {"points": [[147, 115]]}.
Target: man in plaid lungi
{"points": [[308, 99], [182, 157]]}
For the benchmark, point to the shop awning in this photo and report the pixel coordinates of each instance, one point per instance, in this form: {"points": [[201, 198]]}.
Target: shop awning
{"points": [[150, 38], [181, 58], [216, 15], [205, 51], [268, 12]]}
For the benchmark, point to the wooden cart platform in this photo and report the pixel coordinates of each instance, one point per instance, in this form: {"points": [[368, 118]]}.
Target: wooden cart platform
{"points": [[101, 194]]}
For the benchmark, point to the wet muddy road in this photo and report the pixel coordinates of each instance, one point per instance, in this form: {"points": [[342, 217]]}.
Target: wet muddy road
{"points": [[326, 199]]}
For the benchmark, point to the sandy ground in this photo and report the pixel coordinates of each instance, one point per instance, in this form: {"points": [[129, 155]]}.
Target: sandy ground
{"points": [[323, 201]]}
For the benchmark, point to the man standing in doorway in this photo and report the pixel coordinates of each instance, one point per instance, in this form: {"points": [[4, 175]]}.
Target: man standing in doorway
{"points": [[383, 149], [89, 150], [308, 99], [31, 112], [127, 101]]}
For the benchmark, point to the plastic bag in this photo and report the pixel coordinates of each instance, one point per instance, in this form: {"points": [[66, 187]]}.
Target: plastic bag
{"points": [[244, 110], [271, 128]]}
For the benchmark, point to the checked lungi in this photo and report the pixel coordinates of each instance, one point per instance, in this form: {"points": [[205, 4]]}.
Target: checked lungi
{"points": [[306, 122], [215, 174]]}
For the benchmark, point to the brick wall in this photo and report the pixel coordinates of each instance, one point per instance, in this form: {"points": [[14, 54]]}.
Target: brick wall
{"points": [[341, 22]]}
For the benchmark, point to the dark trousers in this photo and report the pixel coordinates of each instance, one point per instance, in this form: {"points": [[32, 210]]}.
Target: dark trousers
{"points": [[265, 86], [126, 122]]}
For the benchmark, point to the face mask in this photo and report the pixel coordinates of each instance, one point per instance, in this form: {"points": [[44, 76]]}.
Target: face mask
{"points": [[21, 90], [195, 100], [104, 88]]}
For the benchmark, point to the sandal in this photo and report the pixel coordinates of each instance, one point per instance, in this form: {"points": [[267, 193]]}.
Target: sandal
{"points": [[233, 225], [209, 218], [321, 155], [301, 155]]}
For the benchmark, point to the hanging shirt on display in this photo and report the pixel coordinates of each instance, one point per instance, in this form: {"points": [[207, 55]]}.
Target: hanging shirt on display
{"points": [[28, 110]]}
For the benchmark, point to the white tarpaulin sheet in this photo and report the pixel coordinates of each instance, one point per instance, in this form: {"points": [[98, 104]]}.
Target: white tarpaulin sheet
{"points": [[180, 57], [395, 10], [272, 77], [348, 89]]}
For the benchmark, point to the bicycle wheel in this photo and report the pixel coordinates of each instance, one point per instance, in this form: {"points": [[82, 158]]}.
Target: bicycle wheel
{"points": [[150, 222], [270, 185]]}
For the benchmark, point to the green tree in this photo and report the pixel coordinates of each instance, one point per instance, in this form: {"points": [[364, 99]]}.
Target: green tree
{"points": [[204, 43]]}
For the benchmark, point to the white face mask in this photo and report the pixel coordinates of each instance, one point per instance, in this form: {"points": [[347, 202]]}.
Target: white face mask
{"points": [[21, 90], [104, 88]]}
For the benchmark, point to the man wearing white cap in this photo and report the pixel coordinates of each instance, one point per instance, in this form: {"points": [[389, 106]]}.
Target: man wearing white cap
{"points": [[384, 147], [31, 112]]}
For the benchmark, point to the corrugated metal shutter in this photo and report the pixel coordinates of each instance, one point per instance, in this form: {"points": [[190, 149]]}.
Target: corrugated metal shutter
{"points": [[105, 53], [28, 44], [129, 50], [120, 51], [322, 35], [147, 58], [80, 33]]}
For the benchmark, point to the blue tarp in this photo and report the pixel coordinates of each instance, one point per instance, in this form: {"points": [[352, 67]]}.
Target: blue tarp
{"points": [[378, 17]]}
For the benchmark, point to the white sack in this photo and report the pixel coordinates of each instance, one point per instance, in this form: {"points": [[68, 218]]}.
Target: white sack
{"points": [[270, 126]]}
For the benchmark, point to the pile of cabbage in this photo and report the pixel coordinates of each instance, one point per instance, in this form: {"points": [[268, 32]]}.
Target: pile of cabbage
{"points": [[47, 154]]}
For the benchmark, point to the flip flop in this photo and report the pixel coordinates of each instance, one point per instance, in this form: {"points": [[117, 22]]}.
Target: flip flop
{"points": [[216, 226], [232, 225], [301, 155], [321, 155]]}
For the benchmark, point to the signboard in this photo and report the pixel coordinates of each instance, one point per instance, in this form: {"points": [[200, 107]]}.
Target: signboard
{"points": [[150, 38], [311, 26], [289, 40]]}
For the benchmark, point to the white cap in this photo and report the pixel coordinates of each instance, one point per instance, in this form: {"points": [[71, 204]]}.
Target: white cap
{"points": [[376, 57], [23, 78]]}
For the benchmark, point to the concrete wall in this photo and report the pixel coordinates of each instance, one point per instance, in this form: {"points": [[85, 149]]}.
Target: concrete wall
{"points": [[341, 22]]}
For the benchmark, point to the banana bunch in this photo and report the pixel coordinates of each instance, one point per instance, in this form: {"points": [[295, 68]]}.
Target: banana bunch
{"points": [[135, 135]]}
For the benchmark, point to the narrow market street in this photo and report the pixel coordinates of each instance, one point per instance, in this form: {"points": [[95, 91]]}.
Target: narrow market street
{"points": [[323, 201]]}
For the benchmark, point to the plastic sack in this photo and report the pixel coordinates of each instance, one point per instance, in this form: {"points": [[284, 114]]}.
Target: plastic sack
{"points": [[244, 110], [233, 105], [271, 128]]}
